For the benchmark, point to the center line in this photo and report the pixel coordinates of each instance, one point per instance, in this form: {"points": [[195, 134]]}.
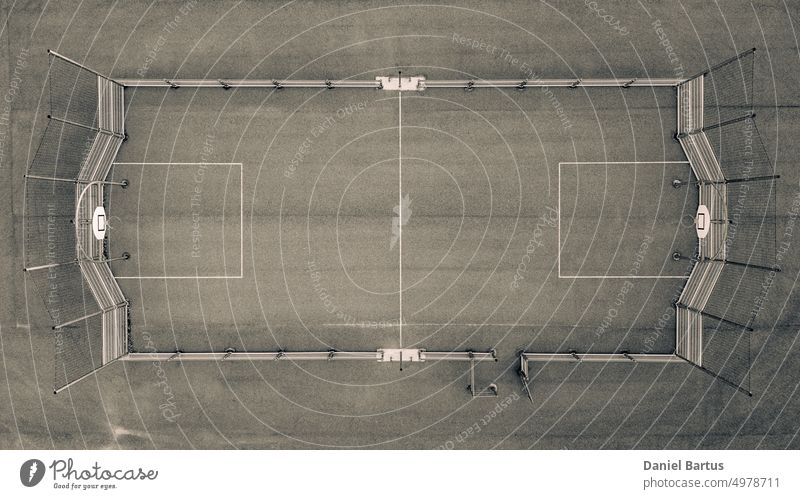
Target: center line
{"points": [[400, 196]]}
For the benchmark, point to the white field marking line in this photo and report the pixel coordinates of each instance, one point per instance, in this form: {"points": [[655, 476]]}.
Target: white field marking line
{"points": [[560, 275], [181, 277], [425, 324], [148, 163], [623, 163], [623, 277], [400, 199], [241, 219]]}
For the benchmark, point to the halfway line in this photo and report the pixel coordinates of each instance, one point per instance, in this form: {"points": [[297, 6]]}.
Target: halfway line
{"points": [[400, 196]]}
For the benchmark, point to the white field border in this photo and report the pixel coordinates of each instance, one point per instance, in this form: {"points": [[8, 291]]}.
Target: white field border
{"points": [[560, 275], [241, 219]]}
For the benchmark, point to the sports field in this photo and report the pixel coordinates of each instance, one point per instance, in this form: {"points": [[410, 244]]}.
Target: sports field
{"points": [[299, 219]]}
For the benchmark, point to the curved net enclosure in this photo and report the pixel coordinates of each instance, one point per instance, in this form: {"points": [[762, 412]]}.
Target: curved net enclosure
{"points": [[64, 184], [737, 262]]}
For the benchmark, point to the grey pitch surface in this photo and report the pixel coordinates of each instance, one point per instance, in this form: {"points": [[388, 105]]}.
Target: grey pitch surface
{"points": [[466, 156]]}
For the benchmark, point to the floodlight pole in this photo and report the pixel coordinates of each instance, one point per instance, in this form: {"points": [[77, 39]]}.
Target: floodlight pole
{"points": [[728, 321], [81, 378], [717, 66], [738, 180], [718, 377], [79, 319], [746, 265], [75, 63], [122, 183], [124, 256], [52, 179], [87, 127]]}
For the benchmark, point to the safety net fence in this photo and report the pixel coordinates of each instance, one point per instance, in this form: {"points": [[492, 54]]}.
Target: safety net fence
{"points": [[736, 262], [64, 184]]}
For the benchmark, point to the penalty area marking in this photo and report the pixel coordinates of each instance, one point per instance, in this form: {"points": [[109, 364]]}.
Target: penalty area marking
{"points": [[241, 219]]}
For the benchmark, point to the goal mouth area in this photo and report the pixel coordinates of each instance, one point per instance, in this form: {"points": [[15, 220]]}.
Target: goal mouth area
{"points": [[65, 222], [736, 221]]}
